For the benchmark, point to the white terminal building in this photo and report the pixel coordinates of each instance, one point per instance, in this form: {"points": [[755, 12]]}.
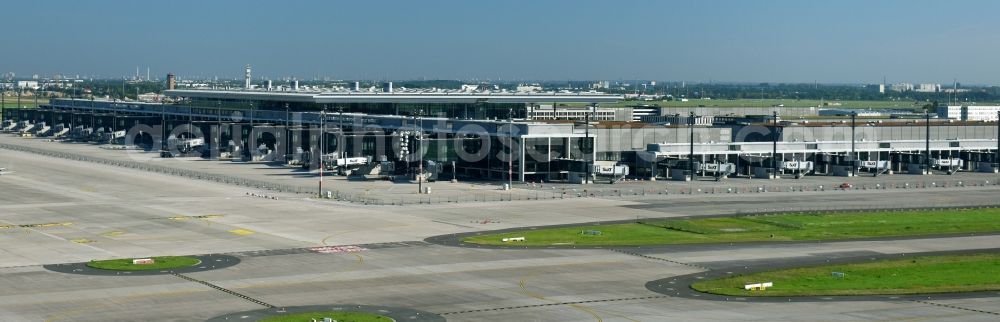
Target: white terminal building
{"points": [[473, 132], [969, 112]]}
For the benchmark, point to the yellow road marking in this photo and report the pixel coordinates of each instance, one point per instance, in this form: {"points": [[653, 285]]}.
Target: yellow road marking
{"points": [[331, 236], [115, 233], [46, 225], [183, 217], [241, 232]]}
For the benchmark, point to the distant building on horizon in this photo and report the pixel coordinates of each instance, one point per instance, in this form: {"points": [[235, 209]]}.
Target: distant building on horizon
{"points": [[901, 87], [928, 88], [171, 81]]}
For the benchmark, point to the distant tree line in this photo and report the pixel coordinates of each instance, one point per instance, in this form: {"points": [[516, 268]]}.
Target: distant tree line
{"points": [[675, 90], [813, 92]]}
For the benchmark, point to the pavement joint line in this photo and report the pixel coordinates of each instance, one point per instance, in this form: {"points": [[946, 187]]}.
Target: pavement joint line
{"points": [[393, 313], [557, 304], [956, 307], [305, 250], [453, 224], [659, 259], [223, 289]]}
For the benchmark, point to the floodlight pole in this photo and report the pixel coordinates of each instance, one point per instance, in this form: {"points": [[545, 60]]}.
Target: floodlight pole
{"points": [[927, 140], [420, 150], [322, 133], [774, 145], [586, 142], [854, 161], [510, 149], [18, 102], [342, 142], [163, 128], [288, 128], [996, 159], [690, 124]]}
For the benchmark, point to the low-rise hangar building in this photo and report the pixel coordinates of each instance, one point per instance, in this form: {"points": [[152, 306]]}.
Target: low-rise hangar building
{"points": [[472, 135]]}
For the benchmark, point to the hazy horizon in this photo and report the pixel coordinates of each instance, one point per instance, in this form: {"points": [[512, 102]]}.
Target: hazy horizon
{"points": [[848, 42]]}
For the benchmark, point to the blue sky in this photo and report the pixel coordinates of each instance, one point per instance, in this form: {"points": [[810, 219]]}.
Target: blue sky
{"points": [[774, 41]]}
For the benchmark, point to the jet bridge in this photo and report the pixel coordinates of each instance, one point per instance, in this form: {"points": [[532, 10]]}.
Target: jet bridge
{"points": [[949, 166], [611, 170], [7, 125], [58, 131], [876, 167], [797, 168], [42, 129]]}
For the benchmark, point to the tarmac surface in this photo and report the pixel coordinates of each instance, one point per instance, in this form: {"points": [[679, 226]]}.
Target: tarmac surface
{"points": [[295, 251], [206, 262], [398, 314]]}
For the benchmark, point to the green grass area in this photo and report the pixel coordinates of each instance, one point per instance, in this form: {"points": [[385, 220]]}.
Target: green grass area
{"points": [[11, 102], [160, 262], [919, 275], [778, 227], [336, 316]]}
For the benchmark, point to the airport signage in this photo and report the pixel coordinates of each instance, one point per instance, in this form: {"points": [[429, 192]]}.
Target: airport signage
{"points": [[143, 261], [611, 170], [352, 161]]}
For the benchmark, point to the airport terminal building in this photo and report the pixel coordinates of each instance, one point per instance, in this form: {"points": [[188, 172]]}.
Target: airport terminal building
{"points": [[469, 134], [501, 136]]}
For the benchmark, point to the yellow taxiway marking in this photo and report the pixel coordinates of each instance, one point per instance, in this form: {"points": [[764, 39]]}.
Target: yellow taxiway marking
{"points": [[115, 233], [82, 241], [195, 217], [45, 225], [241, 232], [334, 235]]}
